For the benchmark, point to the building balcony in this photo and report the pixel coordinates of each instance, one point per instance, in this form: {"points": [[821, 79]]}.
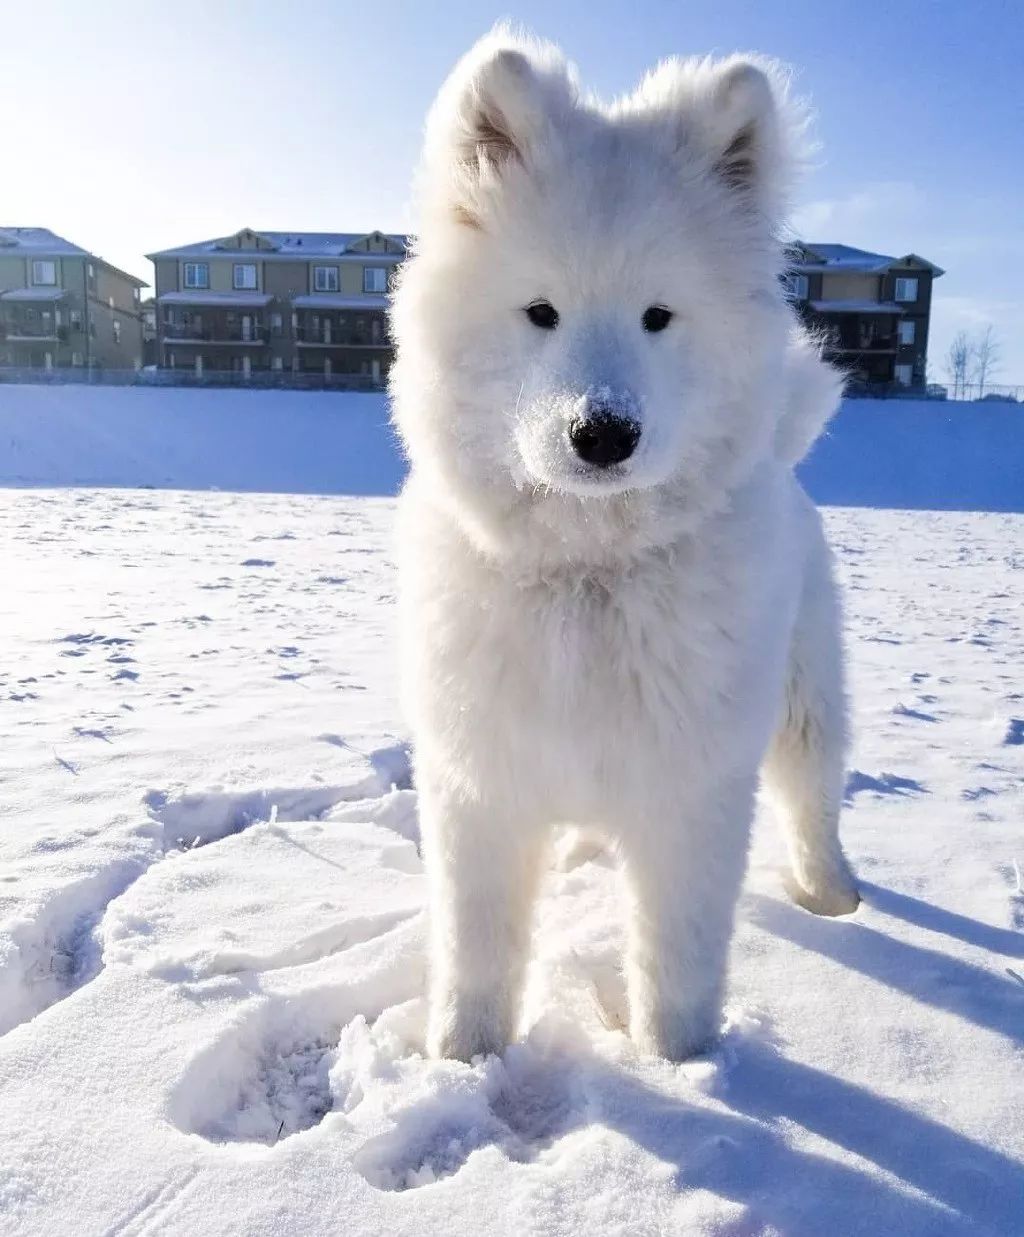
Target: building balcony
{"points": [[176, 333], [242, 302], [329, 334], [29, 333], [880, 347], [37, 295]]}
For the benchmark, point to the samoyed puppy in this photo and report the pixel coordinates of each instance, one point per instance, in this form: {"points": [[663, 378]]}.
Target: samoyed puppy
{"points": [[618, 604]]}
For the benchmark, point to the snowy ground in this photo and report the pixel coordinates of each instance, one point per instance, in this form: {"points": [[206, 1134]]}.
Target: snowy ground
{"points": [[211, 934]]}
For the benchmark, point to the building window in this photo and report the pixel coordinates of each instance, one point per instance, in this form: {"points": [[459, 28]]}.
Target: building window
{"points": [[906, 289], [375, 279], [76, 359], [904, 375], [75, 318], [245, 275], [907, 330], [325, 279], [197, 275], [117, 331], [276, 324], [796, 287], [44, 273]]}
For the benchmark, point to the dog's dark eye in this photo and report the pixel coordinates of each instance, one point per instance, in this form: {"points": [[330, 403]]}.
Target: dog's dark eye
{"points": [[543, 314], [656, 318]]}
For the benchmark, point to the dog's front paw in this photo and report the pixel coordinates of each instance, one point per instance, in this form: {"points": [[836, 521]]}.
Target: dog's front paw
{"points": [[460, 1034], [832, 895], [676, 1035]]}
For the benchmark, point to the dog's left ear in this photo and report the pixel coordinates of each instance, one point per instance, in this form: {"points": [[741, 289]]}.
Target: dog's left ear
{"points": [[736, 114]]}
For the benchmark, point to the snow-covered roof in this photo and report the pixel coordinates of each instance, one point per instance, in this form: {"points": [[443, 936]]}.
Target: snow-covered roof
{"points": [[846, 258], [38, 242], [321, 300], [42, 243], [292, 245], [33, 294], [242, 300], [857, 307], [830, 258]]}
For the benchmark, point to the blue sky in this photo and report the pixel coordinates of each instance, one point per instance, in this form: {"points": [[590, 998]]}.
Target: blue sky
{"points": [[136, 126]]}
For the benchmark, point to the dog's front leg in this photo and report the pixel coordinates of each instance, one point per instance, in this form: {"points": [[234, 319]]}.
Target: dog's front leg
{"points": [[483, 872], [684, 872]]}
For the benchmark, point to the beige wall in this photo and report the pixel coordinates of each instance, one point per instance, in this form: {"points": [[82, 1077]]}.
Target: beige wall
{"points": [[12, 272], [283, 279], [849, 288], [287, 279], [352, 275], [112, 300], [165, 272], [16, 271], [113, 287], [222, 272]]}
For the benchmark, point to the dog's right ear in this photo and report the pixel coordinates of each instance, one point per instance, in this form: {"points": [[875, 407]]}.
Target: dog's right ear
{"points": [[494, 109]]}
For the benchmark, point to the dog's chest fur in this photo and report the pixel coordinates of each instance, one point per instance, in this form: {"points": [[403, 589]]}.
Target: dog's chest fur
{"points": [[582, 681]]}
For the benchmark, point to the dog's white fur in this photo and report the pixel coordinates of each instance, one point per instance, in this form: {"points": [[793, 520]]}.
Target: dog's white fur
{"points": [[621, 648]]}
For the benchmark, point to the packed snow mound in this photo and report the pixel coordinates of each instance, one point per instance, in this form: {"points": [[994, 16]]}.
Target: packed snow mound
{"points": [[876, 453], [928, 455], [291, 442]]}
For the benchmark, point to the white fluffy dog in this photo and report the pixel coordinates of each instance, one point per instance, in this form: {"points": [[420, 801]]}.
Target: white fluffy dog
{"points": [[618, 602]]}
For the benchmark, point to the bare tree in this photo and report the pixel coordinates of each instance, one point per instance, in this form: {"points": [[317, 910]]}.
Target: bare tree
{"points": [[958, 361], [985, 351]]}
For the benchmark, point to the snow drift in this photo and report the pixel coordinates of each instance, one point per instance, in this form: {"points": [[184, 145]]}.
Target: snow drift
{"points": [[278, 442], [925, 455]]}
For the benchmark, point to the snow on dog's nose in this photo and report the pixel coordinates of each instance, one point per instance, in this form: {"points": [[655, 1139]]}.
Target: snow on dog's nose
{"points": [[604, 438], [606, 430]]}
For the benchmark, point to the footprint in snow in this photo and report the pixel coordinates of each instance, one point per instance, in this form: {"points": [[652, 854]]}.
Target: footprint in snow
{"points": [[884, 784], [902, 710]]}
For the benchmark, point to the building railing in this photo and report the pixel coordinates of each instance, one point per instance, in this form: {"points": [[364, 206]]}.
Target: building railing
{"points": [[346, 334], [969, 393], [341, 337], [1010, 395], [257, 379], [876, 345], [173, 332], [321, 336], [16, 331]]}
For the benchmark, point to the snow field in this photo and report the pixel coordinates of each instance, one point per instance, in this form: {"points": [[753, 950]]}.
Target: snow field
{"points": [[212, 939]]}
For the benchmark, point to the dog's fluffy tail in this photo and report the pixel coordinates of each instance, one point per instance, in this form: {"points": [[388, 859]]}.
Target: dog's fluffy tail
{"points": [[812, 392]]}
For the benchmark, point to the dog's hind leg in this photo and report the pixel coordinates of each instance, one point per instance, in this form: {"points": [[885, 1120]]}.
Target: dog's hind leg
{"points": [[803, 769]]}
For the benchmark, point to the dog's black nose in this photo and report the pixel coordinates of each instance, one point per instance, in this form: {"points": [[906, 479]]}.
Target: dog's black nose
{"points": [[604, 438]]}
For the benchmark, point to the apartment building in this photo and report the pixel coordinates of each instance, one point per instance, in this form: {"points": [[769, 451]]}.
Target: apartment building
{"points": [[61, 305], [305, 302], [872, 309]]}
